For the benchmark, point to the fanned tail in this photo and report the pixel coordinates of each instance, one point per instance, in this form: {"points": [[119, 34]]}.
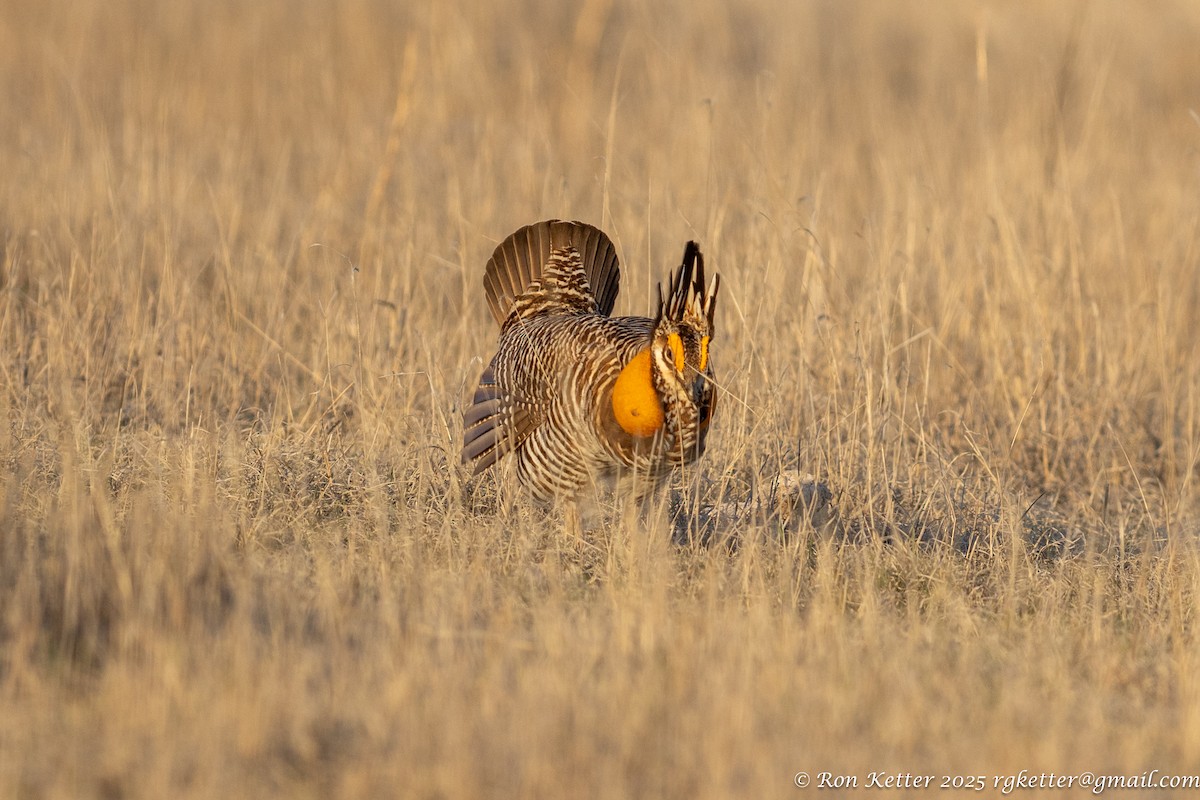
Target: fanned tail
{"points": [[516, 268]]}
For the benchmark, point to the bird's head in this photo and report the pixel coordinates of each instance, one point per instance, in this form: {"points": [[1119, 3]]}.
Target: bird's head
{"points": [[677, 360]]}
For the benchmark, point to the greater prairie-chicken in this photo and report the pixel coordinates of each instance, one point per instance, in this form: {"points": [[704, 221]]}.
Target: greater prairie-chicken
{"points": [[582, 397]]}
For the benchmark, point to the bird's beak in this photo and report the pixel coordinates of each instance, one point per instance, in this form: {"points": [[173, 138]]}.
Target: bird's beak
{"points": [[700, 391]]}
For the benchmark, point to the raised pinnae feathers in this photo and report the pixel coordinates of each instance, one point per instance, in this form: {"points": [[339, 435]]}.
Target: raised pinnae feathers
{"points": [[686, 291]]}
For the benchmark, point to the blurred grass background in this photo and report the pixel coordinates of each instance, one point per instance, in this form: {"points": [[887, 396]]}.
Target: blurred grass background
{"points": [[241, 251]]}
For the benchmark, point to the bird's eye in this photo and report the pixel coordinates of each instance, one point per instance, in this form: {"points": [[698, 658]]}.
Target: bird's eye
{"points": [[674, 351]]}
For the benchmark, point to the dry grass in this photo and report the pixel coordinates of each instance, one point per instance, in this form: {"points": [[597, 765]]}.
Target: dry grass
{"points": [[240, 263]]}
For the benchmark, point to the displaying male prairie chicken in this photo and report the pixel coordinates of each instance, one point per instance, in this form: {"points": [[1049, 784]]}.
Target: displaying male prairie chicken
{"points": [[581, 397]]}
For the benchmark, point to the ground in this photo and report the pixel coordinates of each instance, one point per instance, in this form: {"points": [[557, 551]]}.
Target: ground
{"points": [[241, 308]]}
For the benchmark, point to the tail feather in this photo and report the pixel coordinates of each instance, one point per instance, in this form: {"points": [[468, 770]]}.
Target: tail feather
{"points": [[518, 262]]}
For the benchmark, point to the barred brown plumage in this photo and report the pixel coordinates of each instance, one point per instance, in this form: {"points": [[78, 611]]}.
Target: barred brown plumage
{"points": [[581, 396]]}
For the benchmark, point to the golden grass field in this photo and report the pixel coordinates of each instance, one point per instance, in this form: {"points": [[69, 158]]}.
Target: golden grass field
{"points": [[241, 308]]}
